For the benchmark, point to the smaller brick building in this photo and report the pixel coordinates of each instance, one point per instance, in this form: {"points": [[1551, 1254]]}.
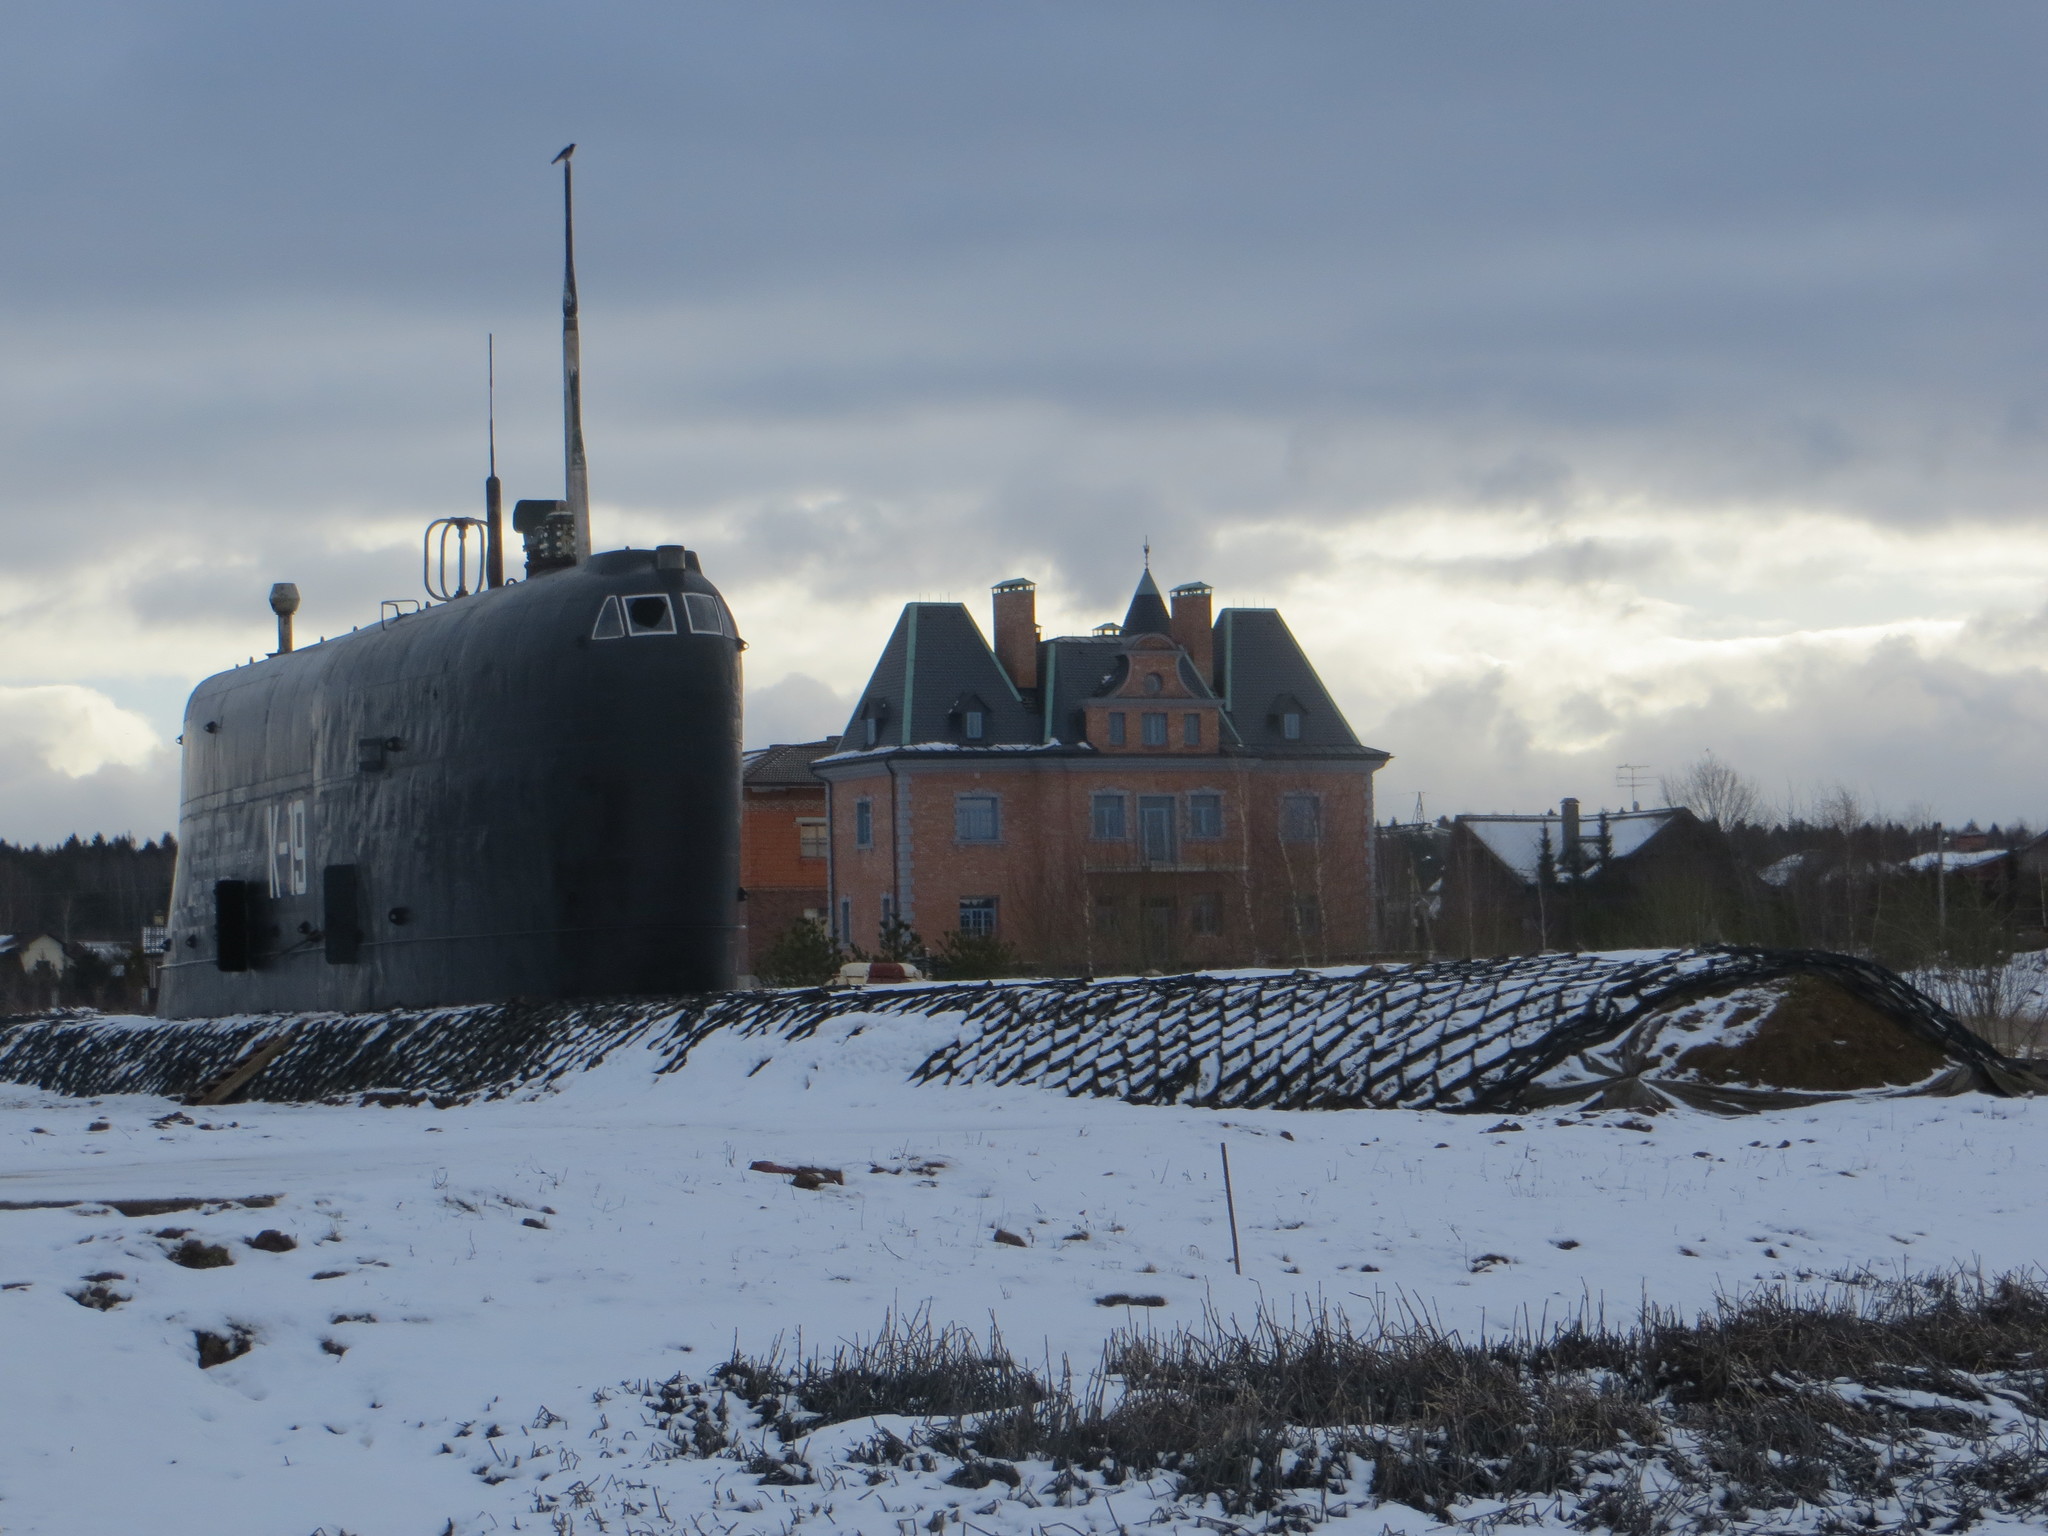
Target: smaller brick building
{"points": [[1179, 790], [782, 843]]}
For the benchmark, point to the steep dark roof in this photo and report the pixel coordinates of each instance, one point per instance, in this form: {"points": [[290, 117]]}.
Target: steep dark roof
{"points": [[935, 658], [936, 666], [1264, 675], [787, 764], [1147, 614], [1072, 669]]}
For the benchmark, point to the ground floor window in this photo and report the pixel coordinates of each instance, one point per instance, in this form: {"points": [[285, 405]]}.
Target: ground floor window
{"points": [[846, 919], [1159, 923], [1308, 916], [978, 916], [1109, 916], [1205, 913]]}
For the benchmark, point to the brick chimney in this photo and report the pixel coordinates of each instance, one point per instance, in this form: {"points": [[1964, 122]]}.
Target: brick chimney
{"points": [[1194, 626], [1016, 605]]}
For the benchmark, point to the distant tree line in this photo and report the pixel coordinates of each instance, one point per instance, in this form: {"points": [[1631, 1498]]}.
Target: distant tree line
{"points": [[100, 892], [107, 888]]}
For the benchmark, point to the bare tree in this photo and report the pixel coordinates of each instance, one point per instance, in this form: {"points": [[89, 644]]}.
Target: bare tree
{"points": [[1715, 792]]}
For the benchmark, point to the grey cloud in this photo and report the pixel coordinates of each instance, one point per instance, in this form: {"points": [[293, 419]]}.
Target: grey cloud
{"points": [[40, 805], [1565, 562], [794, 708]]}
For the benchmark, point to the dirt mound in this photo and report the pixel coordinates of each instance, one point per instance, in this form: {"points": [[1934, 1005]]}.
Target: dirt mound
{"points": [[1812, 1036]]}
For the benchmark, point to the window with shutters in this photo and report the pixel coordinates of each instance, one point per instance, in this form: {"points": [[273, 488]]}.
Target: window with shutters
{"points": [[977, 818], [1301, 818]]}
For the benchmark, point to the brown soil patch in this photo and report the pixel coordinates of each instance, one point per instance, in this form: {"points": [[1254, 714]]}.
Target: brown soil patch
{"points": [[1819, 1038]]}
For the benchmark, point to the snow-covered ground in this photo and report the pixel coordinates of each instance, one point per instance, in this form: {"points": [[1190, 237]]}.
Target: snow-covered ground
{"points": [[518, 1267]]}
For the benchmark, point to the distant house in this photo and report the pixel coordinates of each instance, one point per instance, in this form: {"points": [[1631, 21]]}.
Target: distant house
{"points": [[1977, 864], [1172, 791], [32, 967], [29, 950], [1566, 880], [783, 843], [2027, 871]]}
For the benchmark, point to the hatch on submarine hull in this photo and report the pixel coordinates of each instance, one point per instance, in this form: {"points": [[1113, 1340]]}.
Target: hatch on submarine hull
{"points": [[529, 792]]}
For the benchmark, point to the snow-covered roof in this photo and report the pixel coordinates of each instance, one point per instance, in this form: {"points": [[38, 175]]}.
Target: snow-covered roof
{"points": [[1784, 869], [938, 748], [1951, 859], [1519, 841]]}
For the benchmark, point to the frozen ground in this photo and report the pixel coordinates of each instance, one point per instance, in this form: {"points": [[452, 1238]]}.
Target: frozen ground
{"points": [[513, 1266]]}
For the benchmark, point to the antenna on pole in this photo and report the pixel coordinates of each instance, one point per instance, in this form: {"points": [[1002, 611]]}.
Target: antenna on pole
{"points": [[1630, 778], [494, 503], [577, 471]]}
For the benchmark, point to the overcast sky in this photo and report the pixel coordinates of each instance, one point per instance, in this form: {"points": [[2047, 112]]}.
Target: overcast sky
{"points": [[1587, 384]]}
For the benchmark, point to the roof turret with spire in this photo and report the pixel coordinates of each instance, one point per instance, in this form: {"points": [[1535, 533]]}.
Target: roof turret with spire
{"points": [[1147, 614]]}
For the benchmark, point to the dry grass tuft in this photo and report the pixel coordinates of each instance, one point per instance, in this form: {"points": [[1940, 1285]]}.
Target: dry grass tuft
{"points": [[1893, 1403]]}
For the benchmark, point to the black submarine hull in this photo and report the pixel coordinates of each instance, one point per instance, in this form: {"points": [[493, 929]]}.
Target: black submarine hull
{"points": [[531, 792]]}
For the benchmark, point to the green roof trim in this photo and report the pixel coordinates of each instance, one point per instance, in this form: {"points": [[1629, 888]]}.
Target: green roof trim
{"points": [[909, 670]]}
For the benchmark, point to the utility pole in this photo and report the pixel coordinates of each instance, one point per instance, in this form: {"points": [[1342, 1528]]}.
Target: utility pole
{"points": [[1941, 886]]}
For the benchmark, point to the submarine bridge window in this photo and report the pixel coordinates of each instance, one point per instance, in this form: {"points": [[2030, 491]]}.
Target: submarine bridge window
{"points": [[653, 614]]}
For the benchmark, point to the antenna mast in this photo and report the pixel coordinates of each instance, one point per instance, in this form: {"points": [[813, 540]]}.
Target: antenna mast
{"points": [[577, 471], [494, 504]]}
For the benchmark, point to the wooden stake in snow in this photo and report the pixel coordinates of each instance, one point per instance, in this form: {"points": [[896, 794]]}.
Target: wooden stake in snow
{"points": [[1230, 1204]]}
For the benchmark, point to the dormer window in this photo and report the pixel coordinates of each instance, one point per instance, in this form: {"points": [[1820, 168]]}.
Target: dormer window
{"points": [[873, 716], [969, 716], [1286, 716], [1153, 682]]}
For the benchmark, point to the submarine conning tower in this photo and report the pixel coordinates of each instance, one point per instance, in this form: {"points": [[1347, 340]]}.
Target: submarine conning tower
{"points": [[529, 792], [526, 790]]}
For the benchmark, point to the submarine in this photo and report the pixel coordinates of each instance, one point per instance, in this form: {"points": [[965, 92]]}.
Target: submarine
{"points": [[529, 789]]}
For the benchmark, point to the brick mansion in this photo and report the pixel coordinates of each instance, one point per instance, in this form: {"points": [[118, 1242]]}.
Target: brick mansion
{"points": [[1176, 790]]}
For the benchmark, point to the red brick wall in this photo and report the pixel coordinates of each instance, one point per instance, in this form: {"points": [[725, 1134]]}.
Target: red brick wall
{"points": [[1071, 903], [780, 883]]}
